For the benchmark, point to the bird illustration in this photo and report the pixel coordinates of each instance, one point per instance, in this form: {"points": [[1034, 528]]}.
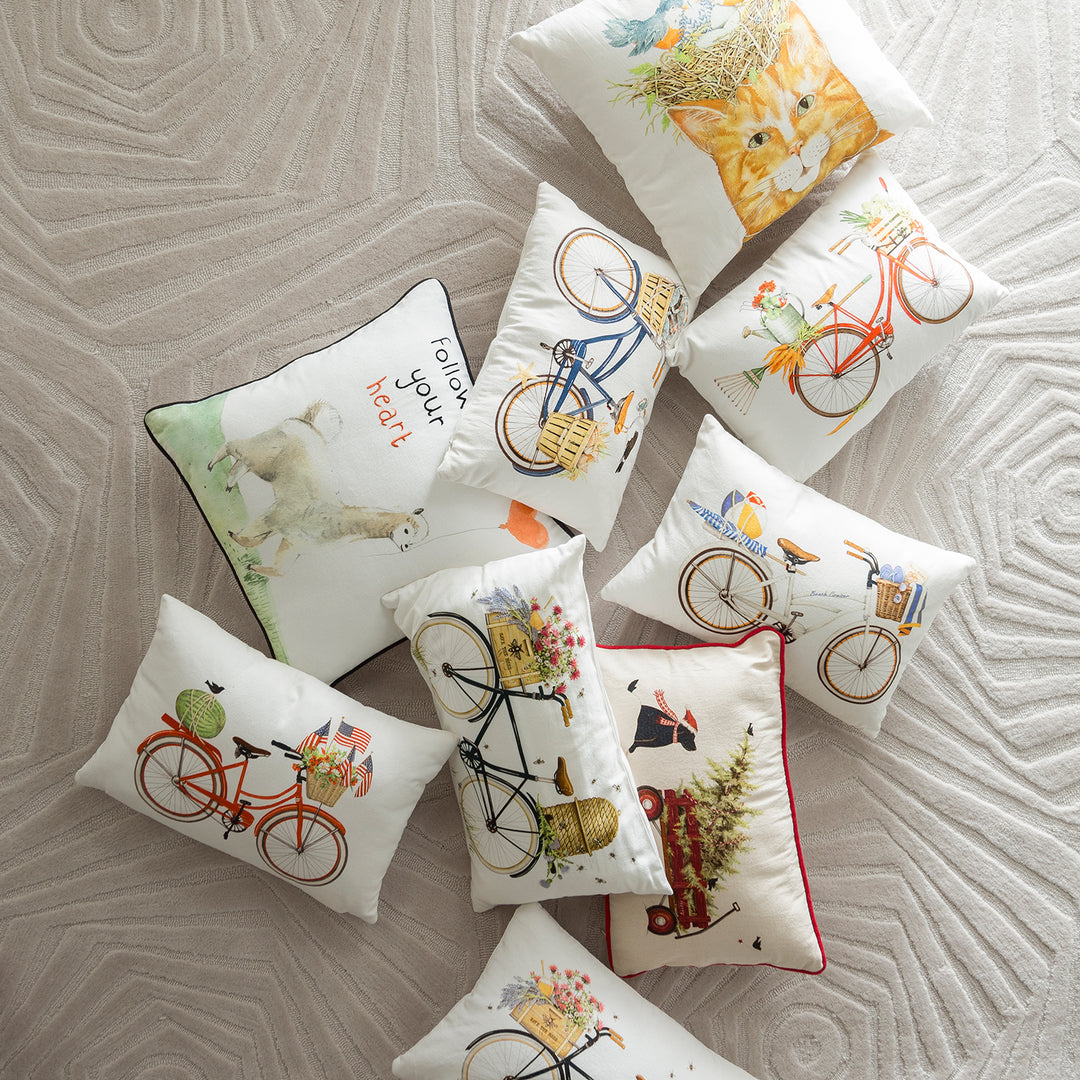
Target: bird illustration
{"points": [[672, 21]]}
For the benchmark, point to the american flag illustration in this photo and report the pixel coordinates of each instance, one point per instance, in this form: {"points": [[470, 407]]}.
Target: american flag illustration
{"points": [[348, 735], [362, 772], [316, 738]]}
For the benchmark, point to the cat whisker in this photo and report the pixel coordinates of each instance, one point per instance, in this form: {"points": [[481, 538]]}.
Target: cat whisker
{"points": [[761, 188]]}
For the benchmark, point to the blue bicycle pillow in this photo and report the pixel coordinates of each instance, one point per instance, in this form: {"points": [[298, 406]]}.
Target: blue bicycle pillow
{"points": [[810, 348], [546, 795], [743, 545], [318, 481], [583, 344], [214, 738], [544, 1001]]}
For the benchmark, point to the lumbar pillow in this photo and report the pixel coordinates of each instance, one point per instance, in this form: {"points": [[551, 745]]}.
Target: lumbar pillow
{"points": [[742, 545], [264, 762], [569, 382], [808, 350], [704, 730], [546, 794], [318, 482], [719, 116], [545, 1006]]}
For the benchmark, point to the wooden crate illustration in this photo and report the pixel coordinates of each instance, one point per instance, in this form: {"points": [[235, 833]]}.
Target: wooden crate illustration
{"points": [[654, 300], [566, 439], [690, 900], [514, 655], [549, 1025]]}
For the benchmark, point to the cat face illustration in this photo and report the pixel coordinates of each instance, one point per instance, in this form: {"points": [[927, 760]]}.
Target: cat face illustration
{"points": [[783, 132]]}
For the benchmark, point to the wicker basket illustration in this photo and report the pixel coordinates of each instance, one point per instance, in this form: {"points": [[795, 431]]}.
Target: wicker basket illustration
{"points": [[548, 1024], [565, 439], [584, 825], [514, 655], [654, 299], [891, 600], [324, 789]]}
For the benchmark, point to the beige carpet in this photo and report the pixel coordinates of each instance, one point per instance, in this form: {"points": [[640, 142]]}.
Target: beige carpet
{"points": [[193, 193]]}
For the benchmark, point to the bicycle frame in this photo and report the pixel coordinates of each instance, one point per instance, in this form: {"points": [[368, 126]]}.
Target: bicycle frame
{"points": [[566, 1064], [235, 805]]}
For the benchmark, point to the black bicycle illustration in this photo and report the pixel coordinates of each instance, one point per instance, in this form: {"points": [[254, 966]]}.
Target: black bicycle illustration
{"points": [[509, 1054], [728, 590], [502, 819], [546, 424]]}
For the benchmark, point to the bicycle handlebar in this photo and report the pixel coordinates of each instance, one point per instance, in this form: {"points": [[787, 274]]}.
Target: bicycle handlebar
{"points": [[289, 751]]}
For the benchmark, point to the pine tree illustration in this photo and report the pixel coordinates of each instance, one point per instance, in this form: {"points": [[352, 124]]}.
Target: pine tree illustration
{"points": [[722, 816]]}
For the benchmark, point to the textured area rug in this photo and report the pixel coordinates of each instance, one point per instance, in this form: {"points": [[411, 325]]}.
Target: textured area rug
{"points": [[192, 195]]}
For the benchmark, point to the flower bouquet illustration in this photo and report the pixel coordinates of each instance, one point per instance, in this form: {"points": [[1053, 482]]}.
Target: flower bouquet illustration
{"points": [[526, 651]]}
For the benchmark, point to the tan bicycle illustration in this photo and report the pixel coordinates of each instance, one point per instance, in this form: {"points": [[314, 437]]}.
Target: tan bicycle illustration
{"points": [[181, 775], [729, 589], [833, 364]]}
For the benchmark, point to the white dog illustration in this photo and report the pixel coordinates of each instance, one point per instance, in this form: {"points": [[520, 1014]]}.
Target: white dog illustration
{"points": [[306, 510]]}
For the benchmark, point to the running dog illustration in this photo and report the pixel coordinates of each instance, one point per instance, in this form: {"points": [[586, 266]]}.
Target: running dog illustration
{"points": [[307, 511]]}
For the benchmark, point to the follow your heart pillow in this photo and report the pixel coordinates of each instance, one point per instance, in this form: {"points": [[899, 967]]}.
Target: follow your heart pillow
{"points": [[319, 484], [741, 545], [570, 381], [721, 116]]}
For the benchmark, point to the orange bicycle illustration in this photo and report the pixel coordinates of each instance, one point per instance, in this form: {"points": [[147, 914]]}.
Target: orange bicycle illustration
{"points": [[182, 776], [833, 364]]}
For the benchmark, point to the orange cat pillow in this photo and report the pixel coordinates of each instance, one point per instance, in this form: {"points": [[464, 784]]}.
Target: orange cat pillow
{"points": [[721, 115]]}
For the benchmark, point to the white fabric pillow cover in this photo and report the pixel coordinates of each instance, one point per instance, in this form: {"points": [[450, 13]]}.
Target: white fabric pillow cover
{"points": [[704, 730], [741, 544], [207, 743], [569, 382], [544, 1005], [318, 482], [721, 117], [546, 795], [808, 350]]}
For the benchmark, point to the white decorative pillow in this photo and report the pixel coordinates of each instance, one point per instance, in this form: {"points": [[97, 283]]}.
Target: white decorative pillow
{"points": [[742, 545], [808, 350], [721, 116], [546, 795], [215, 738], [569, 382], [318, 482], [704, 731], [544, 1006]]}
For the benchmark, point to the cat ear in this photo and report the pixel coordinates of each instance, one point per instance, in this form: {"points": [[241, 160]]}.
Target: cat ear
{"points": [[701, 122], [800, 44]]}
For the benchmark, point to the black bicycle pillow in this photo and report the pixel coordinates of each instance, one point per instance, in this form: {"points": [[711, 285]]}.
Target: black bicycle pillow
{"points": [[546, 794], [318, 481], [743, 545], [810, 348], [569, 383], [545, 1006], [264, 762]]}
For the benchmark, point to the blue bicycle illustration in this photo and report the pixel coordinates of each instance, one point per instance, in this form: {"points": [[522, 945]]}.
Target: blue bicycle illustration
{"points": [[546, 424]]}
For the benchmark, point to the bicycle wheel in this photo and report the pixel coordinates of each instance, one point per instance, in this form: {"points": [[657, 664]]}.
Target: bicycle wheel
{"points": [[933, 285], [596, 275], [830, 383], [859, 665], [724, 591], [302, 844], [507, 839], [178, 778], [520, 417], [503, 1055], [447, 647]]}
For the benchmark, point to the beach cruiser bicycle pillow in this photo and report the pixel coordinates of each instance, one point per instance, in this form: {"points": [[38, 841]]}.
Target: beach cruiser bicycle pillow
{"points": [[318, 482], [703, 727], [570, 381], [741, 545], [721, 116], [809, 348], [544, 1006], [264, 762], [546, 795]]}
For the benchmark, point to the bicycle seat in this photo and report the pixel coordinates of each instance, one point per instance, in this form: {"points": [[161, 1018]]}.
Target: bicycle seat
{"points": [[825, 297], [245, 749], [793, 553]]}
